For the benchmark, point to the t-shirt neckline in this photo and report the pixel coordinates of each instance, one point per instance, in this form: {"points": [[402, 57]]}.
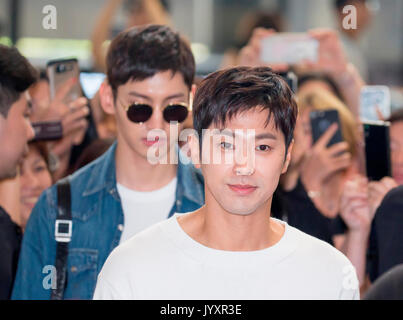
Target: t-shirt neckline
{"points": [[269, 256]]}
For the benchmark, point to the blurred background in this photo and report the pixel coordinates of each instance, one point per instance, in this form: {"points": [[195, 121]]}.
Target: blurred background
{"points": [[212, 26]]}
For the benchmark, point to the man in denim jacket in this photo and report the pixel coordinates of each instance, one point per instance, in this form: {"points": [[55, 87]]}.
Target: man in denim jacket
{"points": [[150, 74]]}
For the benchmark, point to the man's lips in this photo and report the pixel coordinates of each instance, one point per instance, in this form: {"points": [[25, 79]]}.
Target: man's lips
{"points": [[150, 142], [29, 201], [242, 189]]}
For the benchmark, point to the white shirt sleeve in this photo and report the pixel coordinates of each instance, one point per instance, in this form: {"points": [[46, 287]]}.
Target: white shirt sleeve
{"points": [[105, 291]]}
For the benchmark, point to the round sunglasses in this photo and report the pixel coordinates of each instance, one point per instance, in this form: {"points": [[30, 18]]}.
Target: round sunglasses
{"points": [[142, 112]]}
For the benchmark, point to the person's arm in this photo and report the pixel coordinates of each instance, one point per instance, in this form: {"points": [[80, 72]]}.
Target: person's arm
{"points": [[355, 212], [156, 12], [100, 33], [332, 60], [38, 250], [74, 125], [319, 163]]}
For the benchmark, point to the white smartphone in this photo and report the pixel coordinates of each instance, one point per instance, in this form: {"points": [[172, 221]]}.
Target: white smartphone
{"points": [[90, 82], [375, 103], [290, 48]]}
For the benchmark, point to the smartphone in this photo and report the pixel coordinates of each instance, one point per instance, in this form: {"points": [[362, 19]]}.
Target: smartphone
{"points": [[49, 130], [377, 149], [60, 71], [321, 120], [375, 103], [291, 79], [290, 48], [90, 82]]}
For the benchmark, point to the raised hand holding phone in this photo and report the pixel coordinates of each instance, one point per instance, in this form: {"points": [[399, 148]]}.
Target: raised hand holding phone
{"points": [[251, 54], [323, 160], [331, 56], [74, 123]]}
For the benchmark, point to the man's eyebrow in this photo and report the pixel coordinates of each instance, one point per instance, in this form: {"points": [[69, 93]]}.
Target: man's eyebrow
{"points": [[257, 137], [266, 136], [139, 95], [175, 96]]}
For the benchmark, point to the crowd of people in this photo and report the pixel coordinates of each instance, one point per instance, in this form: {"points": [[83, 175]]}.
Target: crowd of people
{"points": [[300, 221]]}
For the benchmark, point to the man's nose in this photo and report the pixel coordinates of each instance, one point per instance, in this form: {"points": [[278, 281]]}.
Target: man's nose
{"points": [[30, 131], [157, 120], [244, 162]]}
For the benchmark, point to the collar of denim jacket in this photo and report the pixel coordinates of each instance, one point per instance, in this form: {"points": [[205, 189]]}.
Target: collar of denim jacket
{"points": [[103, 173], [190, 181]]}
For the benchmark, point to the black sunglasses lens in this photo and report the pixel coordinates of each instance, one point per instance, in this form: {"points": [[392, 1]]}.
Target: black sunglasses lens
{"points": [[139, 112], [175, 112]]}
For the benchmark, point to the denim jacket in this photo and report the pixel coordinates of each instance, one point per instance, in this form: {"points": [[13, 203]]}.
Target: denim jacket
{"points": [[97, 217]]}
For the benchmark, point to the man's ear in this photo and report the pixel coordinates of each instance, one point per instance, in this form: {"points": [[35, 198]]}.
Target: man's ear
{"points": [[288, 157], [193, 141], [106, 98]]}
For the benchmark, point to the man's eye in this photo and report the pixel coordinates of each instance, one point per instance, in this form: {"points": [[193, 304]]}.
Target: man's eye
{"points": [[226, 145], [27, 113], [39, 168], [263, 147]]}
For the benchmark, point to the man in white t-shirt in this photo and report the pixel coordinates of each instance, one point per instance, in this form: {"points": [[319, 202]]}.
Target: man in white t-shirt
{"points": [[230, 248]]}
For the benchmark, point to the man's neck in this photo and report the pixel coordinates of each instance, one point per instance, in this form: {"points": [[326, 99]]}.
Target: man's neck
{"points": [[215, 228], [135, 172]]}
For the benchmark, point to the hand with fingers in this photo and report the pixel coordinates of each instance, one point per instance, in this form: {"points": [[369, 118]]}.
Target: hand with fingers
{"points": [[322, 161], [354, 205], [74, 123], [331, 56], [377, 190], [250, 55]]}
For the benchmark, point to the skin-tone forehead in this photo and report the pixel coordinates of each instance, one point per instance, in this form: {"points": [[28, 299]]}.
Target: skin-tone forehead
{"points": [[163, 85], [33, 155], [253, 119]]}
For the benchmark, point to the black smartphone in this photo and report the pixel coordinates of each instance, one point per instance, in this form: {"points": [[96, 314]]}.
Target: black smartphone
{"points": [[321, 120], [49, 130], [377, 149], [60, 71]]}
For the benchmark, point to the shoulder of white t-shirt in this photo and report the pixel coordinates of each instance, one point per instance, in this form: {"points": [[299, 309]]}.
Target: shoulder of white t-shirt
{"points": [[320, 249]]}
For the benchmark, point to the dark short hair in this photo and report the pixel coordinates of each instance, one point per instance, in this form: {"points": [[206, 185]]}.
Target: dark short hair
{"points": [[16, 75], [140, 52], [226, 93], [396, 116]]}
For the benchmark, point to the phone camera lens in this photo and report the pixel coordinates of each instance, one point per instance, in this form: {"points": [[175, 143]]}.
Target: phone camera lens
{"points": [[61, 68]]}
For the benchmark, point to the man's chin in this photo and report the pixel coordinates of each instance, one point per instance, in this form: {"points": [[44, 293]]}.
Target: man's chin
{"points": [[241, 211]]}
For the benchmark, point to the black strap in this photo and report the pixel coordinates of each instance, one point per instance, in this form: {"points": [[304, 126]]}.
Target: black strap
{"points": [[63, 230]]}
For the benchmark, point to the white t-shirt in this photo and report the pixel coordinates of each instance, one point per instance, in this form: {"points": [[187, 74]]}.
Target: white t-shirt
{"points": [[143, 209], [164, 262]]}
